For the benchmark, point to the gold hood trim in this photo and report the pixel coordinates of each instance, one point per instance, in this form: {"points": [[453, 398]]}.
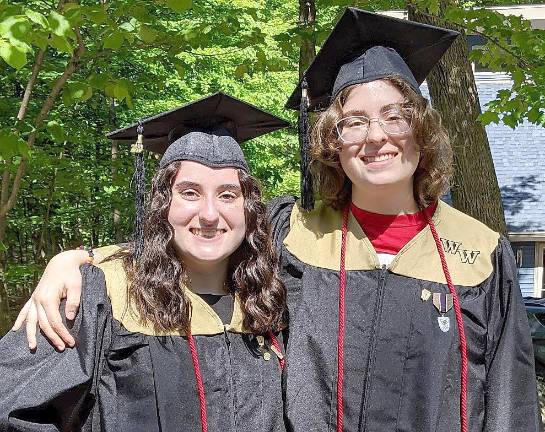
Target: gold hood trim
{"points": [[315, 239], [204, 320]]}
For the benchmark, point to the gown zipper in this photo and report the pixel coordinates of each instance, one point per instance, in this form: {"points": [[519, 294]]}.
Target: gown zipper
{"points": [[373, 345]]}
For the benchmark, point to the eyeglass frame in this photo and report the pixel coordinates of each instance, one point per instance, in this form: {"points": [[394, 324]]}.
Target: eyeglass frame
{"points": [[378, 120]]}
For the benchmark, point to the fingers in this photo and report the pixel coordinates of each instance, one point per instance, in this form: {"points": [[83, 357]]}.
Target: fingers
{"points": [[73, 298], [23, 313], [31, 324], [51, 334]]}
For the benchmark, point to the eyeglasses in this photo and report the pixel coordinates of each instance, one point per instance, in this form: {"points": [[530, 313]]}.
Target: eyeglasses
{"points": [[354, 129]]}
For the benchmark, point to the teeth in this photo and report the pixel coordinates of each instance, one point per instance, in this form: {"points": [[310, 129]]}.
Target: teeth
{"points": [[379, 158], [205, 233]]}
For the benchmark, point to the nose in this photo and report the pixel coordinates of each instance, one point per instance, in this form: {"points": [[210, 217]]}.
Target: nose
{"points": [[375, 133], [208, 212]]}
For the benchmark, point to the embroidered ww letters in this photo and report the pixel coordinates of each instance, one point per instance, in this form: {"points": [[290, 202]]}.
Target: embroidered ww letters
{"points": [[455, 248]]}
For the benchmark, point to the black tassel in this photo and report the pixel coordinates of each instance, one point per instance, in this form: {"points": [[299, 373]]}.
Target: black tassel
{"points": [[139, 180], [307, 189]]}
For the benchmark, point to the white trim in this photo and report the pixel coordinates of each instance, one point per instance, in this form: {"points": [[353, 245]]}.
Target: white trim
{"points": [[526, 236], [534, 13], [538, 269], [488, 76]]}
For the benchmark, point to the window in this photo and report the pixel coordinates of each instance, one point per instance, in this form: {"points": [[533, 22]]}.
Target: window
{"points": [[475, 42], [539, 270]]}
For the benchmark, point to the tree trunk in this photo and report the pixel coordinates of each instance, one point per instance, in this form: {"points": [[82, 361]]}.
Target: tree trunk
{"points": [[453, 91], [307, 20], [5, 318]]}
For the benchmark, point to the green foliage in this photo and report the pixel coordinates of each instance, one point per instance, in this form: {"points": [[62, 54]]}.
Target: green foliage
{"points": [[512, 47]]}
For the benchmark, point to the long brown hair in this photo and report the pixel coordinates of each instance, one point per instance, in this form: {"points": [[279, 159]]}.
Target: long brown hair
{"points": [[432, 176], [155, 281]]}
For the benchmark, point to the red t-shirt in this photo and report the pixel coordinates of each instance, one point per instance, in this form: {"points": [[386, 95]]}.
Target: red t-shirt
{"points": [[389, 233]]}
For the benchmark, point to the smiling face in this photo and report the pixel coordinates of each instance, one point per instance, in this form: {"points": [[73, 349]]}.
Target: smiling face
{"points": [[207, 214], [380, 161]]}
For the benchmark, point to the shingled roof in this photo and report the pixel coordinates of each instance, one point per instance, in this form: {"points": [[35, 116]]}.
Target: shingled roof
{"points": [[519, 160]]}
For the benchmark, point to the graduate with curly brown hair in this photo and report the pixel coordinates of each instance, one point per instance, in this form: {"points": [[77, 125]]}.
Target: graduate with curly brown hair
{"points": [[176, 331]]}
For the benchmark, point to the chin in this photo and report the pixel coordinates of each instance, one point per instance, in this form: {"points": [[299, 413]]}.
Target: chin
{"points": [[379, 181]]}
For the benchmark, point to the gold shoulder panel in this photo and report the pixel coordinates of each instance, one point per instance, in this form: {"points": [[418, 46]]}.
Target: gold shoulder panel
{"points": [[315, 239], [467, 243], [204, 320], [104, 252]]}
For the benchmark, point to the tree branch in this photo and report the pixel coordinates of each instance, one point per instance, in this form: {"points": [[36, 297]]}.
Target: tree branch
{"points": [[30, 85], [521, 62], [15, 189], [59, 84], [33, 77], [5, 181], [38, 122]]}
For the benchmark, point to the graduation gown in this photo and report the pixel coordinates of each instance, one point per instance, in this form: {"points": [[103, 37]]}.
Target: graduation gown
{"points": [[401, 369], [123, 376]]}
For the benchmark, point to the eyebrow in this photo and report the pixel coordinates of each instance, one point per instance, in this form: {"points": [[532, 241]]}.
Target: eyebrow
{"points": [[385, 108], [189, 184]]}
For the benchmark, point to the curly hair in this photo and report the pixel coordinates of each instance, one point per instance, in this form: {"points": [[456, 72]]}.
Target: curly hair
{"points": [[155, 279], [432, 176]]}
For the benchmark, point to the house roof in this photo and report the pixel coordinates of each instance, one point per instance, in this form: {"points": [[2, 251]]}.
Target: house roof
{"points": [[519, 161]]}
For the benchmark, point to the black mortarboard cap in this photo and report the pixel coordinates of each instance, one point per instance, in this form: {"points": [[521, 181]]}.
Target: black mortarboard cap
{"points": [[208, 131], [364, 47]]}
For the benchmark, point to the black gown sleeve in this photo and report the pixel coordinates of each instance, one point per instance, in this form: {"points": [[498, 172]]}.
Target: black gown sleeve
{"points": [[511, 394], [279, 212], [48, 390]]}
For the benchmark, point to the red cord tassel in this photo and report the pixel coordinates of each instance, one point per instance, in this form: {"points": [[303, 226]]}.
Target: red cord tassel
{"points": [[198, 379], [459, 323], [275, 343], [340, 341]]}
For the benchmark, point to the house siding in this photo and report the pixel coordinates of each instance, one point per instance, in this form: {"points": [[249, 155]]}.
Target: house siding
{"points": [[519, 158]]}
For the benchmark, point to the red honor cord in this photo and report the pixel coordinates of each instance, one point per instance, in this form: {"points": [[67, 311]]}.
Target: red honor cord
{"points": [[459, 323]]}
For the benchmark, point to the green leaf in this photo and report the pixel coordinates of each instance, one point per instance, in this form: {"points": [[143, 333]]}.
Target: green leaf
{"points": [[37, 18], [240, 71], [98, 80], [60, 25], [97, 14], [12, 55], [179, 5], [114, 40], [61, 44], [147, 34], [120, 91], [76, 92], [489, 117], [40, 39], [534, 115], [127, 26], [3, 247], [180, 69], [518, 76], [12, 145], [73, 13], [57, 131], [13, 26]]}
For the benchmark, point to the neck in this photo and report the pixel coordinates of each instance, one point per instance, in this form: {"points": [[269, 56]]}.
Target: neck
{"points": [[385, 199], [208, 281]]}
